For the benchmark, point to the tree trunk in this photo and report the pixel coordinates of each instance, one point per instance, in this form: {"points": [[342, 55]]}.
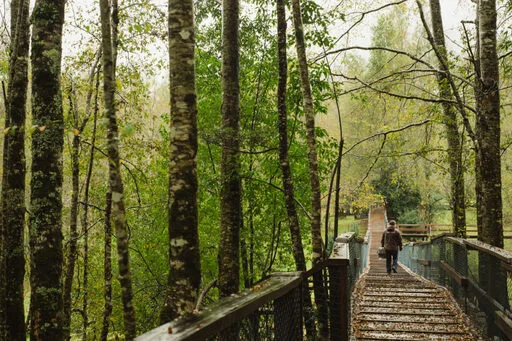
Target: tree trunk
{"points": [[12, 316], [46, 256], [73, 219], [314, 180], [107, 265], [115, 179], [289, 192], [309, 112], [489, 128], [478, 123], [184, 260], [229, 248], [451, 125], [488, 120], [289, 195]]}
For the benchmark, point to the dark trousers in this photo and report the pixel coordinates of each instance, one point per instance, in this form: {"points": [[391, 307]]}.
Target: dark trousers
{"points": [[389, 255]]}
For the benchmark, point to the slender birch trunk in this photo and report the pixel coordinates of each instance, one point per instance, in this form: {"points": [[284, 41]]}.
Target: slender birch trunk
{"points": [[12, 271], [307, 98], [73, 221], [46, 307], [289, 191], [107, 265], [115, 179], [309, 112], [451, 126]]}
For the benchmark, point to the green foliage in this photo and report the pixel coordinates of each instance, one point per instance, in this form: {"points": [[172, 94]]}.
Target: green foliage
{"points": [[401, 198], [406, 171]]}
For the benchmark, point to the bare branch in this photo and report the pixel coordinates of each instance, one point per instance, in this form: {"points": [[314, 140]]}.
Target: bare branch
{"points": [[362, 15], [376, 48], [203, 293], [384, 133], [410, 97], [442, 60]]}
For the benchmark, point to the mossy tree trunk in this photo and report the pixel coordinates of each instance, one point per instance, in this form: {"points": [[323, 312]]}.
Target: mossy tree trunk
{"points": [[109, 41], [309, 112], [12, 316], [451, 123], [489, 128], [46, 307], [491, 216], [289, 191], [184, 262], [231, 210]]}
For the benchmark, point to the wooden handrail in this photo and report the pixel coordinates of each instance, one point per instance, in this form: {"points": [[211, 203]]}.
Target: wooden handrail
{"points": [[226, 311], [230, 311]]}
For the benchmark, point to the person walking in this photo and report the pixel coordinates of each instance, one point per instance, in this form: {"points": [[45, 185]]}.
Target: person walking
{"points": [[391, 242]]}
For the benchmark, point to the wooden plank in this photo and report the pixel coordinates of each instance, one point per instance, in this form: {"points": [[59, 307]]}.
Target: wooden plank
{"points": [[461, 280], [504, 323], [425, 262], [224, 313]]}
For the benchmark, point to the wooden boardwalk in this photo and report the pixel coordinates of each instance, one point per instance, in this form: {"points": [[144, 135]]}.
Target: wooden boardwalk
{"points": [[403, 305]]}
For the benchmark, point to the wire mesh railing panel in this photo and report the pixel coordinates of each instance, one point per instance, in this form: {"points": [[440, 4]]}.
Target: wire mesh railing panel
{"points": [[286, 306], [279, 319], [478, 275]]}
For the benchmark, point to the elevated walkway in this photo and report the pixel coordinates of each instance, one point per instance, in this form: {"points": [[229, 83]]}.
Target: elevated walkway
{"points": [[403, 305]]}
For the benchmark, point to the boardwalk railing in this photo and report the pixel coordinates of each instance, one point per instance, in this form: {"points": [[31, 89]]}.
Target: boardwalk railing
{"points": [[479, 276], [426, 231], [274, 309]]}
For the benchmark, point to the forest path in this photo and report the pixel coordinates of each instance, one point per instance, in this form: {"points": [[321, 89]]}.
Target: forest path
{"points": [[403, 305]]}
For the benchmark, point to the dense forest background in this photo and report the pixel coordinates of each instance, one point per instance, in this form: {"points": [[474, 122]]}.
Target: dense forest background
{"points": [[379, 103]]}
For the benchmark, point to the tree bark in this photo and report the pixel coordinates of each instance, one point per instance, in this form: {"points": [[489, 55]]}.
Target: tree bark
{"points": [[478, 123], [289, 191], [12, 315], [489, 128], [309, 112], [229, 248], [289, 195], [107, 265], [493, 276], [184, 261], [46, 307], [314, 180], [115, 180], [451, 126], [73, 221]]}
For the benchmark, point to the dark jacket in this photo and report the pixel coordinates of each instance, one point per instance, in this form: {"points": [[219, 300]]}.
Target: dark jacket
{"points": [[391, 239]]}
